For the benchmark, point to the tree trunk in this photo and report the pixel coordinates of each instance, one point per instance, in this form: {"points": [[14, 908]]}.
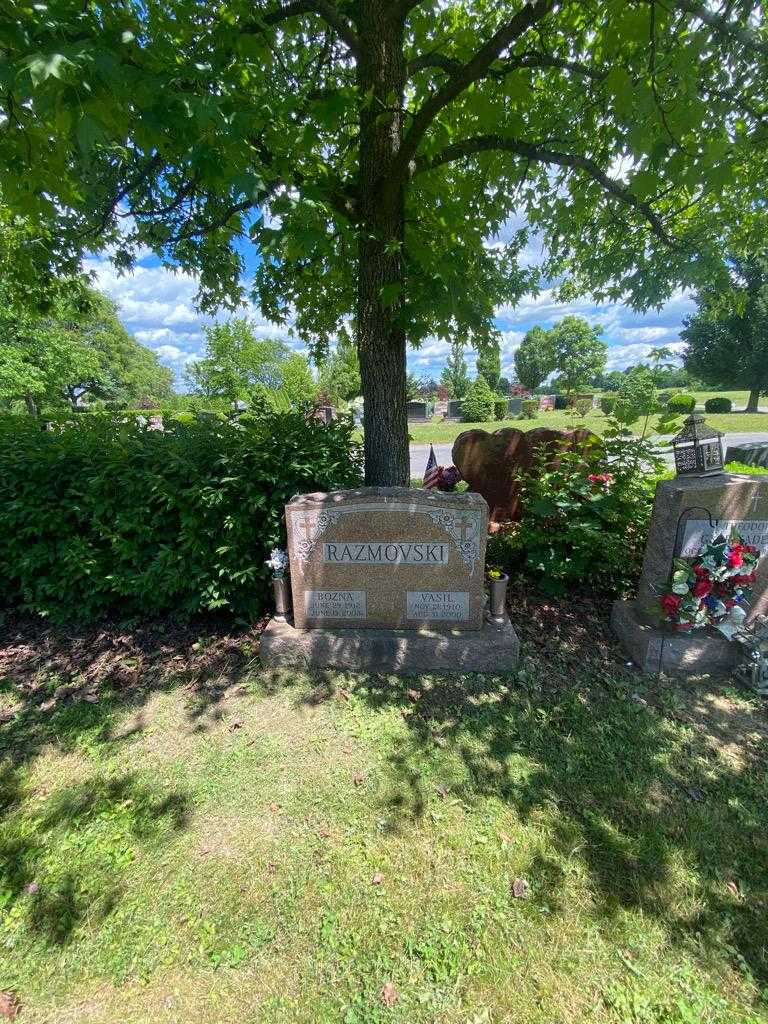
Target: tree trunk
{"points": [[754, 400], [30, 404], [381, 336]]}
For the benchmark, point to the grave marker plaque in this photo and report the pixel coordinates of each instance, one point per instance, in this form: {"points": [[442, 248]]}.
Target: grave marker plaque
{"points": [[383, 557]]}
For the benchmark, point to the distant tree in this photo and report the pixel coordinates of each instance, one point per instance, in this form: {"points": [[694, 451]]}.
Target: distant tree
{"points": [[612, 381], [477, 404], [298, 385], [727, 339], [412, 387], [489, 363], [77, 350], [339, 376], [237, 362], [504, 386], [455, 375], [534, 359], [578, 352]]}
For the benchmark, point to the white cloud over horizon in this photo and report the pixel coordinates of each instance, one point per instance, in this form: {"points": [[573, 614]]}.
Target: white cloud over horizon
{"points": [[156, 305]]}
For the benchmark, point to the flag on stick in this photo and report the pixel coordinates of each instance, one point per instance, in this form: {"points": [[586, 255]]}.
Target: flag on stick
{"points": [[432, 472]]}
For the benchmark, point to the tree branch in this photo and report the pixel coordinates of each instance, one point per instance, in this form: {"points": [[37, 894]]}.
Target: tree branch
{"points": [[530, 59], [541, 154], [464, 76], [324, 8], [721, 25]]}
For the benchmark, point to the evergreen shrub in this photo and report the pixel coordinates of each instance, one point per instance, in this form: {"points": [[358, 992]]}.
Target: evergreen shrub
{"points": [[720, 404], [681, 403]]}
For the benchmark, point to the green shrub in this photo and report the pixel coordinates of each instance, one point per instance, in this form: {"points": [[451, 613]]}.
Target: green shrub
{"points": [[577, 532], [681, 403], [583, 406], [529, 409], [477, 404], [607, 403], [743, 467], [109, 518], [500, 408], [721, 404]]}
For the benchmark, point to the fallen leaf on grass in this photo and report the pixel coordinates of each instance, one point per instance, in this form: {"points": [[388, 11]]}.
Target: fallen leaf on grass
{"points": [[442, 791], [358, 778], [10, 1007], [388, 994], [377, 879], [274, 807], [414, 694], [237, 724], [324, 832], [521, 889], [733, 889]]}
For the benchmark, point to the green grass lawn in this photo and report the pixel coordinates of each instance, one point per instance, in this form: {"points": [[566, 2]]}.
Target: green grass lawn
{"points": [[423, 433], [188, 838]]}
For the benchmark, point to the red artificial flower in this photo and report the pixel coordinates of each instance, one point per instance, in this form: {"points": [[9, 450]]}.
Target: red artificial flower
{"points": [[702, 588], [750, 549], [735, 559], [600, 478], [729, 603], [743, 580], [701, 572], [671, 604]]}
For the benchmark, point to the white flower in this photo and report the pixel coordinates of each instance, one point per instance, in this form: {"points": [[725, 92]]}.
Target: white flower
{"points": [[277, 562]]}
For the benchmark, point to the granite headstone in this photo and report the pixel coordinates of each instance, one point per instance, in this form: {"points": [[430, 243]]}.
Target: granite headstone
{"points": [[387, 557]]}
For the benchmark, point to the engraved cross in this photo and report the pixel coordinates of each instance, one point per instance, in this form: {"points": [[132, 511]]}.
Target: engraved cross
{"points": [[464, 524], [308, 526]]}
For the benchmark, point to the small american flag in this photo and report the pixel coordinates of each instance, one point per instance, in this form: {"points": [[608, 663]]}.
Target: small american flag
{"points": [[432, 472]]}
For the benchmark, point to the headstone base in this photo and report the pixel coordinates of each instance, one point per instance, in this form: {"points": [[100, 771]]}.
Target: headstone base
{"points": [[494, 648], [656, 650]]}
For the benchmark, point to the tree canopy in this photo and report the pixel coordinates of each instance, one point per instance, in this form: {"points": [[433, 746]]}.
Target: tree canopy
{"points": [[78, 349], [369, 150], [534, 358], [455, 375], [727, 339], [240, 365], [578, 353]]}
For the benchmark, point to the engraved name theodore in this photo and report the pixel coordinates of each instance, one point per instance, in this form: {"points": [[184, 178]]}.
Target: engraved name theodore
{"points": [[373, 552]]}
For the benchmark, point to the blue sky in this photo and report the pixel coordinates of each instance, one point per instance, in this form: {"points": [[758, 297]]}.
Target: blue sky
{"points": [[157, 307]]}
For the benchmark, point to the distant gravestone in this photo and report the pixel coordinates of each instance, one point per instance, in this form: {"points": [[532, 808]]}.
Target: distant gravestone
{"points": [[387, 556], [418, 410], [514, 406], [688, 512], [454, 409], [753, 453]]}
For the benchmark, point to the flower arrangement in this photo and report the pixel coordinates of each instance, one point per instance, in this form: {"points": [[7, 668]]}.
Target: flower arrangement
{"points": [[278, 563], [706, 588], [492, 573]]}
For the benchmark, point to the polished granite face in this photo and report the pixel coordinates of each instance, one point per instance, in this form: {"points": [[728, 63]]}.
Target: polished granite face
{"points": [[380, 557]]}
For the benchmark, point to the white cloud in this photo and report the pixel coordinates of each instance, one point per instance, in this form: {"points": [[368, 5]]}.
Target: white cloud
{"points": [[170, 354]]}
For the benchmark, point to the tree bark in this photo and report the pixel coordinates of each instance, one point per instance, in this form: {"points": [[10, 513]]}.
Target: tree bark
{"points": [[381, 336], [754, 400], [30, 404]]}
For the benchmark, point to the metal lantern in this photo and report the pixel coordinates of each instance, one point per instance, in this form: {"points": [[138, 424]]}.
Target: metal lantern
{"points": [[698, 448]]}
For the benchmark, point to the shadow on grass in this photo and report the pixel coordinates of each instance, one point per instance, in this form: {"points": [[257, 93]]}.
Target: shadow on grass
{"points": [[639, 792]]}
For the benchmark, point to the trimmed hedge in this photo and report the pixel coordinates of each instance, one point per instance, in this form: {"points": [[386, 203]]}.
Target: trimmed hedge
{"points": [[500, 408], [718, 405], [104, 518], [681, 403]]}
